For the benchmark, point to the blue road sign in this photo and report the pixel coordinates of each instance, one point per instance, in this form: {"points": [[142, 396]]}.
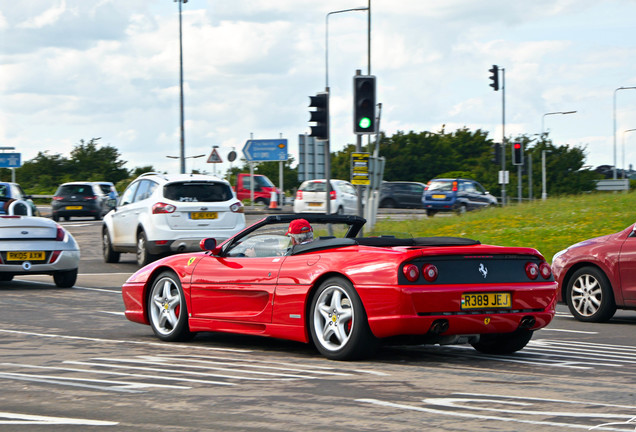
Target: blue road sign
{"points": [[10, 160], [265, 150]]}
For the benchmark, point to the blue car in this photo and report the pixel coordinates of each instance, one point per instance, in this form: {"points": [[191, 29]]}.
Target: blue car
{"points": [[10, 192], [455, 195]]}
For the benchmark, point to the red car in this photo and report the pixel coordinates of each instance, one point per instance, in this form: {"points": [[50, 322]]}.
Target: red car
{"points": [[345, 294], [597, 276]]}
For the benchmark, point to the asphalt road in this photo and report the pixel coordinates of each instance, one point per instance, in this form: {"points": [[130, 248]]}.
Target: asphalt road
{"points": [[70, 361]]}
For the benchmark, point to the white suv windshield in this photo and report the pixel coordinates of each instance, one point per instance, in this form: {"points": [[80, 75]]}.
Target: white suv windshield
{"points": [[197, 192]]}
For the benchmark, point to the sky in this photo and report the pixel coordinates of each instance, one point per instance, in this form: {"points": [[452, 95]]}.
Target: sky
{"points": [[74, 70]]}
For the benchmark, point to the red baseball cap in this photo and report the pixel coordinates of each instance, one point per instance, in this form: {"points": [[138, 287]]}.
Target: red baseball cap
{"points": [[299, 226]]}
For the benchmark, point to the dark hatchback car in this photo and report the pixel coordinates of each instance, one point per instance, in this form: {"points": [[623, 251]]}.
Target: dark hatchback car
{"points": [[401, 194], [455, 195], [79, 199]]}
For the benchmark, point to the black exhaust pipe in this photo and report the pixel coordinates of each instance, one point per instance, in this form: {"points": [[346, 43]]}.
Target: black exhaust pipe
{"points": [[527, 322], [439, 326]]}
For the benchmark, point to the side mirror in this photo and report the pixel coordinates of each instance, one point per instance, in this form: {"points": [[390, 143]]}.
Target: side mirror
{"points": [[208, 244]]}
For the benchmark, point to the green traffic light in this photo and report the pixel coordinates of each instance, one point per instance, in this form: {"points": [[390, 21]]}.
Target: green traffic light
{"points": [[365, 123]]}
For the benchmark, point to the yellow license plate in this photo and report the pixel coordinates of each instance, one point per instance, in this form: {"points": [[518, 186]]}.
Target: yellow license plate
{"points": [[311, 204], [439, 196], [486, 300], [73, 207], [24, 256], [204, 215]]}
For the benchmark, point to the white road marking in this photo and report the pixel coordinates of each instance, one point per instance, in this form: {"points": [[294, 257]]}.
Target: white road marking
{"points": [[27, 419], [568, 331]]}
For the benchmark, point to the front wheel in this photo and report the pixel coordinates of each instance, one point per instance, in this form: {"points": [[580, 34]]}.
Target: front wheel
{"points": [[589, 296], [65, 279], [503, 343], [143, 256], [167, 309], [110, 256], [338, 322], [431, 213]]}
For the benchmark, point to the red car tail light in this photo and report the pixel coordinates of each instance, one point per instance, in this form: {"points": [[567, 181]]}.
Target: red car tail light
{"points": [[427, 186], [454, 186], [299, 195], [332, 195], [411, 272], [532, 270], [545, 270], [429, 271], [54, 256], [160, 207], [60, 233], [90, 198], [57, 198], [237, 207]]}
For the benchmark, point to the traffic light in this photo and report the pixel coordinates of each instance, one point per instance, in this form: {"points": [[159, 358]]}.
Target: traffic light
{"points": [[496, 153], [517, 153], [364, 104], [494, 77], [320, 116]]}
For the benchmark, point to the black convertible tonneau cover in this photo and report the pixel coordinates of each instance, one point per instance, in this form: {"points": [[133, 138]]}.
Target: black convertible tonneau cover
{"points": [[332, 243]]}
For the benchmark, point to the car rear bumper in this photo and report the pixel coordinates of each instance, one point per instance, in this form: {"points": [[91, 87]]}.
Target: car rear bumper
{"points": [[68, 260]]}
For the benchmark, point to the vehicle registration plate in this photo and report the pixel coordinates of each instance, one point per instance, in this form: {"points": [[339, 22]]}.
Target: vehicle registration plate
{"points": [[23, 256], [73, 207], [315, 204], [486, 300], [204, 215], [437, 196]]}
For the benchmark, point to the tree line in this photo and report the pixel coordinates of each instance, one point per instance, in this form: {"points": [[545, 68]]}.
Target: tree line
{"points": [[412, 156]]}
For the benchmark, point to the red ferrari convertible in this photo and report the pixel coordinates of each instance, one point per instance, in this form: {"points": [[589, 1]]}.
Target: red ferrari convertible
{"points": [[345, 293]]}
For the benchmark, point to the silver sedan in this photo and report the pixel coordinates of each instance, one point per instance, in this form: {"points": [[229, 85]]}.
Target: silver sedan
{"points": [[36, 245]]}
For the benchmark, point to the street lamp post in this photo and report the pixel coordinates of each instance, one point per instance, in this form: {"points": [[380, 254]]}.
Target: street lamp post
{"points": [[182, 142], [544, 195], [624, 132], [615, 91]]}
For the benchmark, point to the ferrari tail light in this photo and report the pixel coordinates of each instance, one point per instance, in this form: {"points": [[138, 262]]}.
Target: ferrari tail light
{"points": [[237, 207], [299, 195], [411, 272], [429, 271], [545, 270], [160, 207], [54, 256], [532, 270], [332, 195], [454, 186], [60, 233]]}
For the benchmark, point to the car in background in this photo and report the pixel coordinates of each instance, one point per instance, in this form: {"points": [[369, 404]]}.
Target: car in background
{"points": [[401, 194], [79, 199], [36, 245], [159, 214], [344, 294], [10, 192], [598, 276], [311, 197], [108, 189], [455, 195]]}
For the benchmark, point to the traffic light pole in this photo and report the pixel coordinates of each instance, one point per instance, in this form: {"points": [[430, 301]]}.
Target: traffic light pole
{"points": [[503, 136]]}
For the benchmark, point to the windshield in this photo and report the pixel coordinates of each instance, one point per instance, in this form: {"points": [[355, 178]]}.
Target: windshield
{"points": [[263, 181]]}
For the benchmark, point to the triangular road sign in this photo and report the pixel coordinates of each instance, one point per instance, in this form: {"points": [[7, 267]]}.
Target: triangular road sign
{"points": [[214, 157]]}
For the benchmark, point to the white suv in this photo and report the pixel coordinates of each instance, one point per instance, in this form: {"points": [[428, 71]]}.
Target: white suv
{"points": [[160, 214], [311, 197]]}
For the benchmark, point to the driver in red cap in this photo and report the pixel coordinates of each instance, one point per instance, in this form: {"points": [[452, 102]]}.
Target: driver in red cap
{"points": [[300, 232]]}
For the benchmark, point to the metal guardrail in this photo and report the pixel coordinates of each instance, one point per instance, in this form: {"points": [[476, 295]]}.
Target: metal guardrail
{"points": [[612, 185]]}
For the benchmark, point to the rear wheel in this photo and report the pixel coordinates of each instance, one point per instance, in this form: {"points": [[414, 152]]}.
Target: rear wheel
{"points": [[65, 279], [167, 309], [431, 213], [340, 210], [338, 323], [55, 217], [110, 256], [503, 343], [461, 210], [143, 256], [387, 203], [589, 296]]}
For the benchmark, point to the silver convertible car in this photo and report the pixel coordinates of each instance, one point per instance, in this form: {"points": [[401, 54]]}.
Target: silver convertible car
{"points": [[37, 245]]}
